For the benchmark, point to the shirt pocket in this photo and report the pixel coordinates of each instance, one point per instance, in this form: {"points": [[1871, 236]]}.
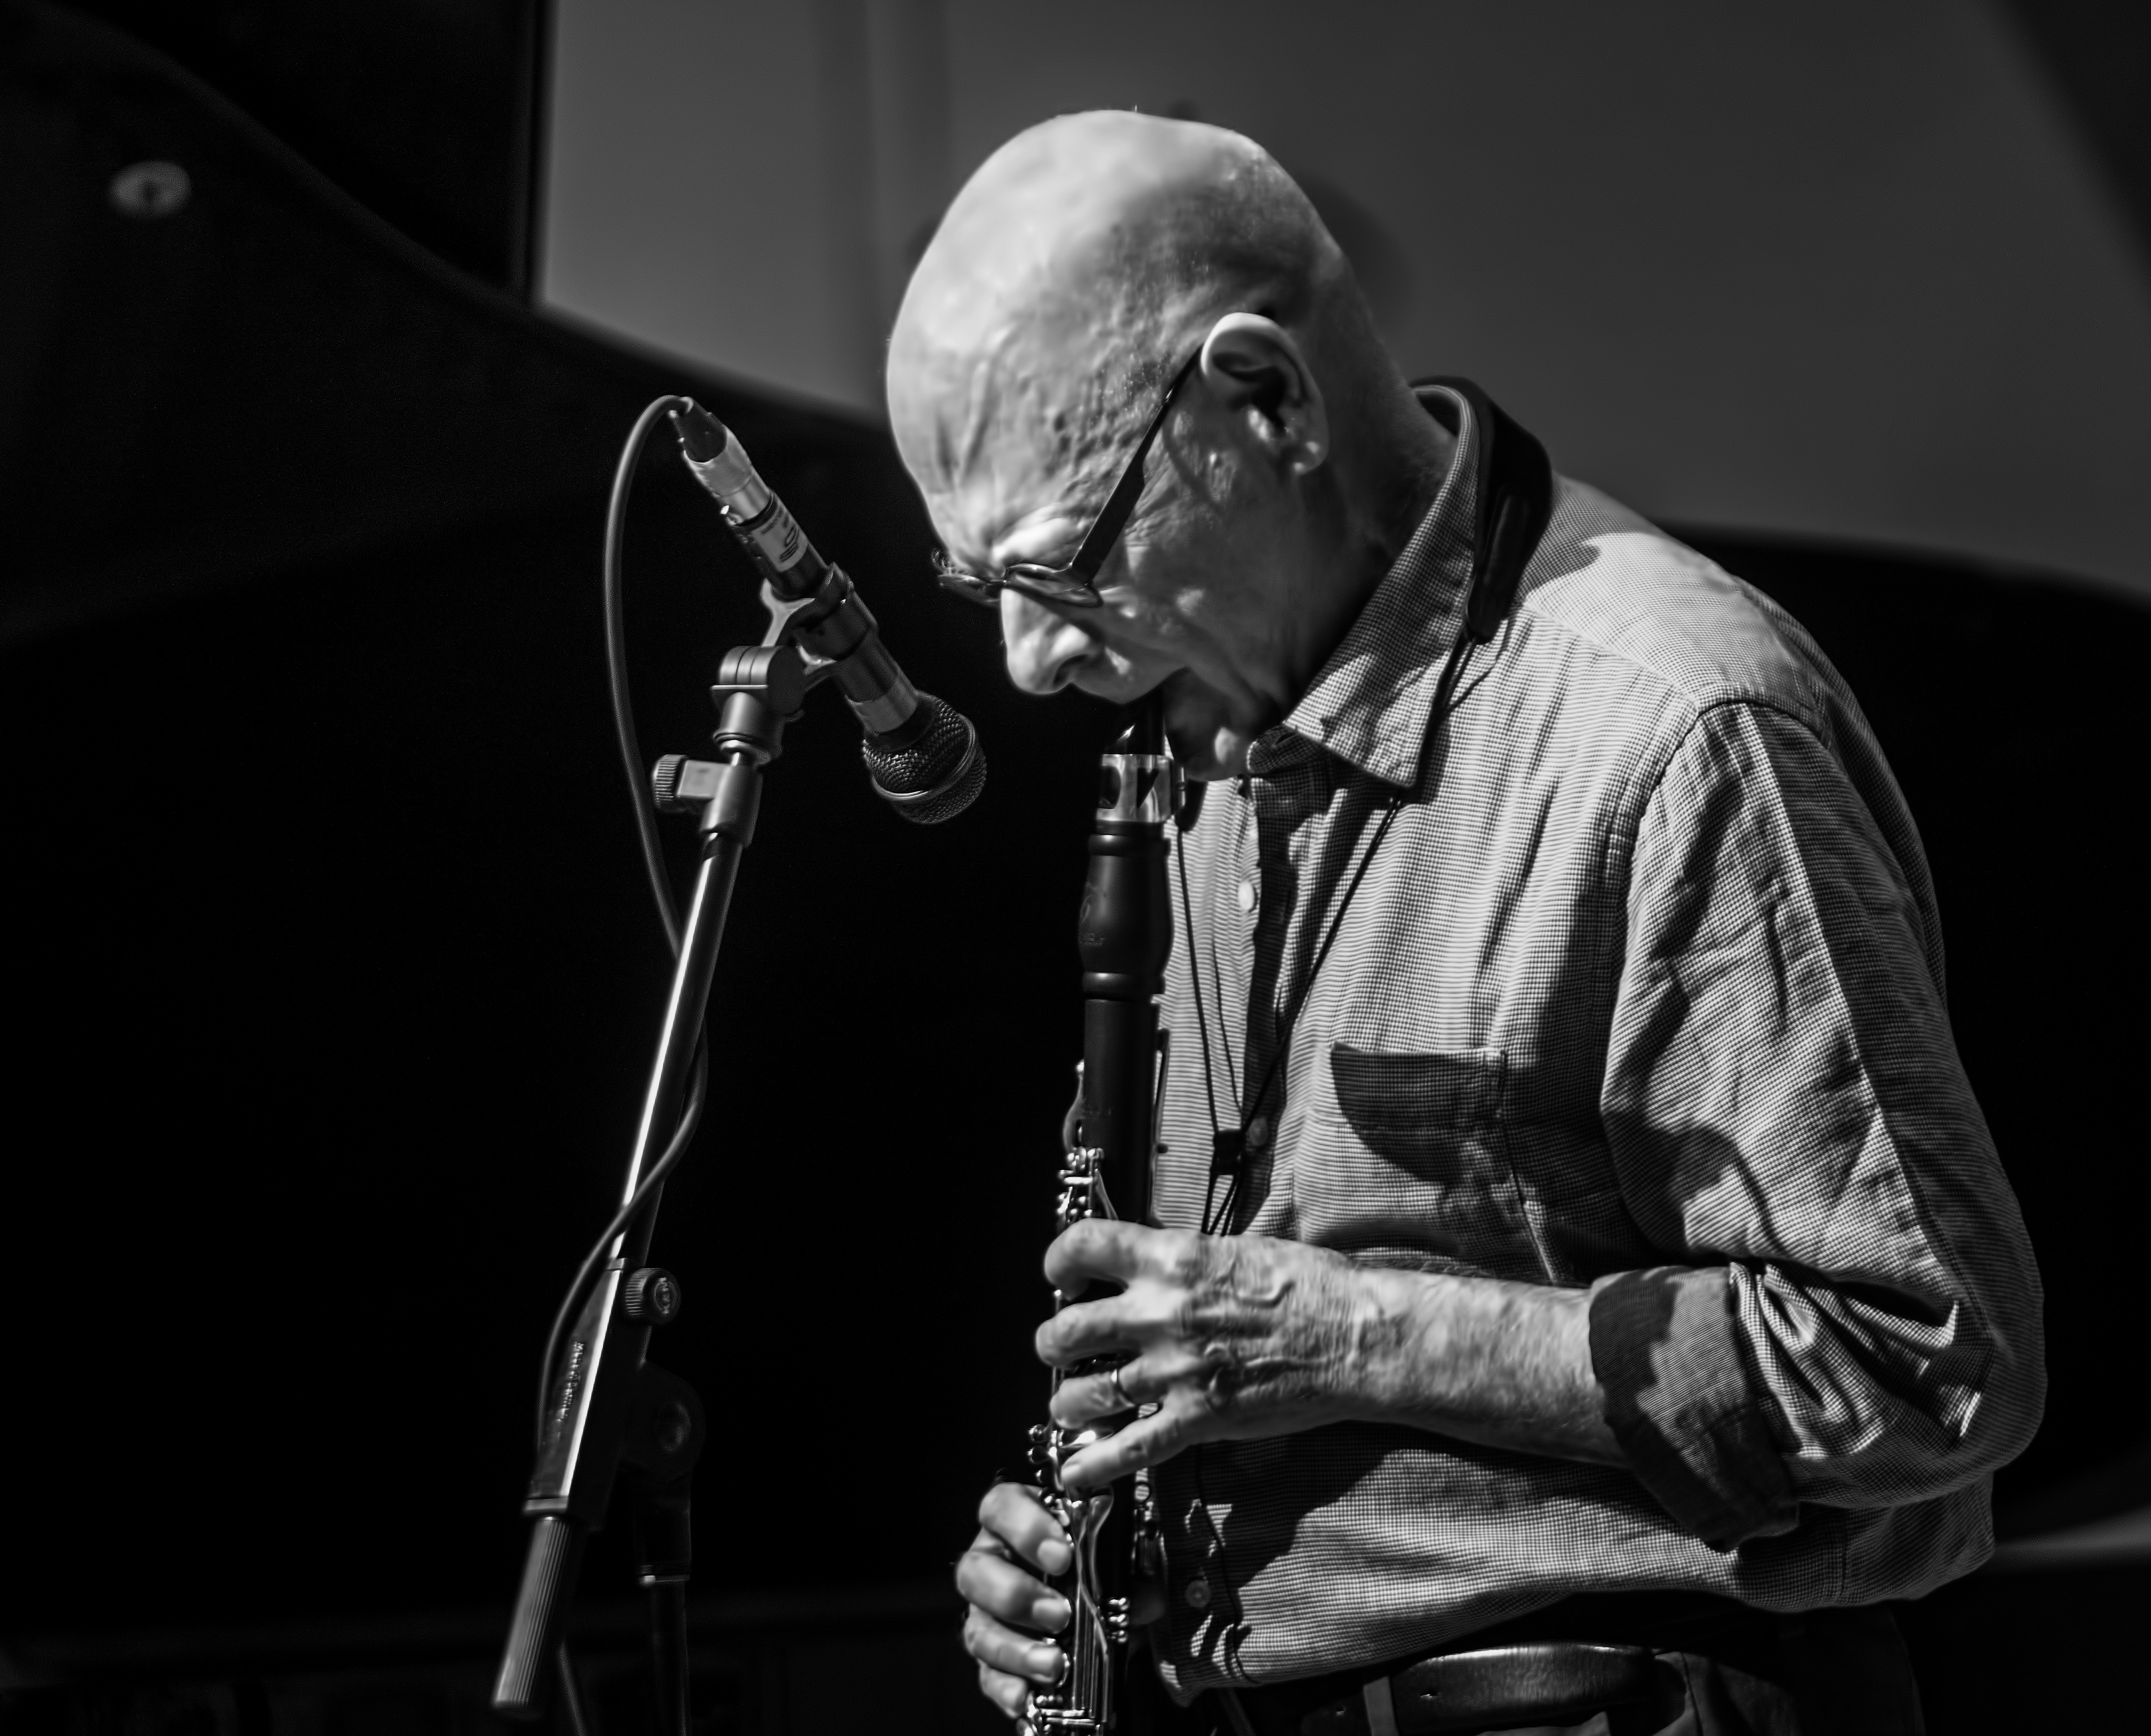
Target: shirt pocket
{"points": [[1410, 1164]]}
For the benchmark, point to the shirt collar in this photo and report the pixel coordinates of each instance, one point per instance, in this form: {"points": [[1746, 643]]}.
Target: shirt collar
{"points": [[1371, 703]]}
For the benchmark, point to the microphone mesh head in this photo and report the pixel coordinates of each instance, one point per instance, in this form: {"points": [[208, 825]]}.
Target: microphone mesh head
{"points": [[938, 774]]}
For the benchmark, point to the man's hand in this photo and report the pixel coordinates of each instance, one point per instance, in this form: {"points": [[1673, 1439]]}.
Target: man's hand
{"points": [[1009, 1607], [1236, 1338], [1241, 1338]]}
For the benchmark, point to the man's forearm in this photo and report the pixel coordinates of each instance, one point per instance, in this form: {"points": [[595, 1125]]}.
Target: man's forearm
{"points": [[1246, 1338], [1502, 1364]]}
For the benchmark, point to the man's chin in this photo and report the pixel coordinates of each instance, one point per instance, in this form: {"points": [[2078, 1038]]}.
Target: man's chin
{"points": [[1225, 757], [1209, 745]]}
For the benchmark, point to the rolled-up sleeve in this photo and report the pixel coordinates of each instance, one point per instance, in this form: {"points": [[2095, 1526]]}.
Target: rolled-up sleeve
{"points": [[1848, 1312]]}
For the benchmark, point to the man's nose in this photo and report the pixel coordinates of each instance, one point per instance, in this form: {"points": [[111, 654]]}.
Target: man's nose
{"points": [[1044, 650]]}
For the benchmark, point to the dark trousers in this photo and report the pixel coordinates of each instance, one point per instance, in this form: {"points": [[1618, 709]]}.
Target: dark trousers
{"points": [[1723, 1669]]}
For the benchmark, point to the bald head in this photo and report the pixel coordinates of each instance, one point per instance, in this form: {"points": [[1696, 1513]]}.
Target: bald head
{"points": [[1081, 265]]}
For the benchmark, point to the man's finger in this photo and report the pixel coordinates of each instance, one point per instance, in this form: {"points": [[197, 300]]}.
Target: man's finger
{"points": [[1144, 1379], [993, 1583], [1093, 1397], [1013, 1513], [1010, 1653], [1148, 1441], [1107, 1247], [1011, 1693], [1089, 1329]]}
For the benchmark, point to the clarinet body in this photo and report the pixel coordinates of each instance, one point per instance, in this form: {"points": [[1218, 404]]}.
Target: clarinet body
{"points": [[1125, 934]]}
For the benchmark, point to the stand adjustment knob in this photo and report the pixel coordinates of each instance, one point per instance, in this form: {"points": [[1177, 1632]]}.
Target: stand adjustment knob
{"points": [[651, 1294], [680, 786], [664, 784]]}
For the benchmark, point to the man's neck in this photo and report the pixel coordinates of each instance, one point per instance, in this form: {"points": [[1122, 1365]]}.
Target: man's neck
{"points": [[1424, 452], [1399, 479]]}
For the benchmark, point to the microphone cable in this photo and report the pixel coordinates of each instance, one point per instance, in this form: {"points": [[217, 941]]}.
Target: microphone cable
{"points": [[660, 889], [615, 627]]}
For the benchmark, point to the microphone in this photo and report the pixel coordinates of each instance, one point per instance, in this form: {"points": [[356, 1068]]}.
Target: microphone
{"points": [[922, 754]]}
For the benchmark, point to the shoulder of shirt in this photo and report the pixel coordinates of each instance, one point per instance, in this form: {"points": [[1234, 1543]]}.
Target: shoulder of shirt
{"points": [[1610, 584]]}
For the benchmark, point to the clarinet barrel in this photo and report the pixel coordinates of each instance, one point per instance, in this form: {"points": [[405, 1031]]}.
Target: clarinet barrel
{"points": [[1124, 935]]}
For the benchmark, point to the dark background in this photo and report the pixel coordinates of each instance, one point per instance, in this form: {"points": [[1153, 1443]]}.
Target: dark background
{"points": [[331, 978]]}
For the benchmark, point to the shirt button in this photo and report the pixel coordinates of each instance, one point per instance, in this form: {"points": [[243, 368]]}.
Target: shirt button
{"points": [[1258, 1133], [1247, 895], [1197, 1593]]}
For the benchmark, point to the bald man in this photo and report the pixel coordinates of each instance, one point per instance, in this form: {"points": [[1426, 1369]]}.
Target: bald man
{"points": [[1605, 1292]]}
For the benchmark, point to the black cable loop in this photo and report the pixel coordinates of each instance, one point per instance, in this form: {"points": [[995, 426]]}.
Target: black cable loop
{"points": [[623, 713], [683, 1135], [660, 889]]}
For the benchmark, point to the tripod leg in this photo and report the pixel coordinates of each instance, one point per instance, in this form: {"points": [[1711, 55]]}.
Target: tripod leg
{"points": [[665, 1542], [668, 1654], [571, 1694], [540, 1618]]}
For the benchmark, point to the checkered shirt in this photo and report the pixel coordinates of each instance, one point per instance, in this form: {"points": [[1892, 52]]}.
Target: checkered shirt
{"points": [[1643, 993]]}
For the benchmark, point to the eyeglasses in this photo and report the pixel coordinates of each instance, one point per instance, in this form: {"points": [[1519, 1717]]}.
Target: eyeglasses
{"points": [[1074, 586]]}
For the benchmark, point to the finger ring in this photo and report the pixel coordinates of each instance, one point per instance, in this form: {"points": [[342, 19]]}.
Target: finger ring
{"points": [[1121, 1392]]}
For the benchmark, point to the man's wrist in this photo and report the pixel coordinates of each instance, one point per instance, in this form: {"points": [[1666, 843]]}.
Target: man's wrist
{"points": [[1403, 1323], [1484, 1360]]}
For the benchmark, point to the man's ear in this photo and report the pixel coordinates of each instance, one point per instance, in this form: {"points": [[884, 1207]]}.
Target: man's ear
{"points": [[1252, 366]]}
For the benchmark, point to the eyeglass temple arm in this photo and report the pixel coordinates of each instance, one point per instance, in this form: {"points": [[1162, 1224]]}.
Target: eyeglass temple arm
{"points": [[1105, 529]]}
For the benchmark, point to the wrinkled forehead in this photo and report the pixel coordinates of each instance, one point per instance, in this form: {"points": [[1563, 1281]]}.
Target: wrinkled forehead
{"points": [[1029, 431]]}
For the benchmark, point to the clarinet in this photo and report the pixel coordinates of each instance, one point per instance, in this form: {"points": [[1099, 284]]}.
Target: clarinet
{"points": [[1124, 935]]}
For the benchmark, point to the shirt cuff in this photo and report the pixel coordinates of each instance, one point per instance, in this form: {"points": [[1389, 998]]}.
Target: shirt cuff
{"points": [[1666, 1353]]}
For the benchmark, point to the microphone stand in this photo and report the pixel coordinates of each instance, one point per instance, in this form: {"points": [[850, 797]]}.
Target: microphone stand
{"points": [[611, 1406]]}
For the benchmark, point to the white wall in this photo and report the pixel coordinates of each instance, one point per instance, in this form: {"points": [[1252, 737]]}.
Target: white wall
{"points": [[1840, 268]]}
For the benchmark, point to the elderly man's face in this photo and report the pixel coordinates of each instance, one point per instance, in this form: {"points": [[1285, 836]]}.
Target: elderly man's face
{"points": [[1199, 594]]}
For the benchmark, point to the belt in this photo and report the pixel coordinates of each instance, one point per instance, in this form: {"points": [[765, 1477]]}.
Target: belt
{"points": [[1551, 1681], [1560, 1663]]}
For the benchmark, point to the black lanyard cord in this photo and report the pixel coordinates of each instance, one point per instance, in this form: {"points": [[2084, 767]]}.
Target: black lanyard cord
{"points": [[1321, 955], [1228, 1149], [1229, 1156], [1195, 976], [1218, 1139]]}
